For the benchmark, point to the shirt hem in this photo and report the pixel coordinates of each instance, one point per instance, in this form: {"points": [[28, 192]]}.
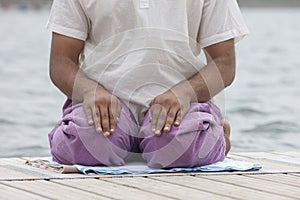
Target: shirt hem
{"points": [[237, 33], [66, 31]]}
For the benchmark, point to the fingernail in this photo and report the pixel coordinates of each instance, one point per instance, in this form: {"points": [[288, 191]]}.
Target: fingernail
{"points": [[99, 130], [177, 123], [157, 133], [153, 130], [167, 129], [112, 130], [90, 122], [106, 134]]}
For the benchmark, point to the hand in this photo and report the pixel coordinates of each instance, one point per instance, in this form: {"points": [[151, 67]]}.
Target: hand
{"points": [[102, 109], [169, 108]]}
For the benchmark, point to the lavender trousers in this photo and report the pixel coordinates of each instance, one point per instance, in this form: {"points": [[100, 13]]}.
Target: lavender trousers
{"points": [[199, 140]]}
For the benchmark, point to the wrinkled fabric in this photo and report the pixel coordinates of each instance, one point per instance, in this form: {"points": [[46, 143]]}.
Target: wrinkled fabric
{"points": [[198, 141]]}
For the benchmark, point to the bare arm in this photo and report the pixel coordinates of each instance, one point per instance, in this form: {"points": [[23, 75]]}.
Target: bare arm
{"points": [[169, 108], [218, 74], [64, 67], [101, 108]]}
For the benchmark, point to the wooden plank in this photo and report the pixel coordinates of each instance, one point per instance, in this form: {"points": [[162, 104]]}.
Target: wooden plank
{"points": [[280, 189], [286, 159], [25, 172], [110, 190], [293, 174], [291, 154], [10, 193], [268, 166], [165, 189], [279, 178], [218, 187], [7, 161], [9, 174], [16, 169], [51, 190]]}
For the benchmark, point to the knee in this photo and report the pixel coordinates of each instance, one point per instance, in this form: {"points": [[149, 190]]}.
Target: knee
{"points": [[191, 144], [77, 142], [190, 150], [86, 147], [173, 149]]}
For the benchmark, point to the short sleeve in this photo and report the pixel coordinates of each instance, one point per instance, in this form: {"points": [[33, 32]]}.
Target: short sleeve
{"points": [[67, 17], [221, 20]]}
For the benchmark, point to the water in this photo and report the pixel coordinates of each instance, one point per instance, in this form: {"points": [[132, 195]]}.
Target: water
{"points": [[262, 105]]}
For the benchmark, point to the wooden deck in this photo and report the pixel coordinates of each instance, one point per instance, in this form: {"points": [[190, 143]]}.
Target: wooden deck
{"points": [[279, 179]]}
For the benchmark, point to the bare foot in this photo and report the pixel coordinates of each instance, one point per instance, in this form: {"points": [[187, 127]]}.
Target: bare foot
{"points": [[226, 127]]}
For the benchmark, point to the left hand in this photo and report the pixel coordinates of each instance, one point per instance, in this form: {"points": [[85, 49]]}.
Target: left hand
{"points": [[169, 108]]}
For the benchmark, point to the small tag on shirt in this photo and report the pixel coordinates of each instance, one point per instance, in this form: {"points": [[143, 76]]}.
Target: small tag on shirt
{"points": [[144, 4]]}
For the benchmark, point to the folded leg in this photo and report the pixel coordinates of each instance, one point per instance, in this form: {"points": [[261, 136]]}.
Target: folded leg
{"points": [[199, 140], [74, 141]]}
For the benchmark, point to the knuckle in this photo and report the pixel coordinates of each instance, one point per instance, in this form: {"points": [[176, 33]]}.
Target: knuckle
{"points": [[155, 115], [104, 116], [96, 114], [179, 117], [111, 117], [171, 115], [170, 120]]}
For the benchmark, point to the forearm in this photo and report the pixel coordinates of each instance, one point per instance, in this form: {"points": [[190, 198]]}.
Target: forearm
{"points": [[216, 75], [212, 79], [67, 76], [169, 108]]}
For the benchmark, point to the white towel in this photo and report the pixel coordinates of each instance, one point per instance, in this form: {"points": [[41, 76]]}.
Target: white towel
{"points": [[141, 167]]}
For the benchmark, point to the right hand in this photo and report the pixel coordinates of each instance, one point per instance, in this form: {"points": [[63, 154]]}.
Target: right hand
{"points": [[102, 110]]}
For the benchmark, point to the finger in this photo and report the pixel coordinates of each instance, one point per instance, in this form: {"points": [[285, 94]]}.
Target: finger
{"points": [[89, 115], [178, 118], [155, 111], [119, 109], [116, 110], [112, 121], [104, 113], [161, 120], [171, 117], [96, 119]]}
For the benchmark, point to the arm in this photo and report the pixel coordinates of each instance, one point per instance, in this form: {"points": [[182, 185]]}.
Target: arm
{"points": [[170, 107], [218, 74], [101, 108]]}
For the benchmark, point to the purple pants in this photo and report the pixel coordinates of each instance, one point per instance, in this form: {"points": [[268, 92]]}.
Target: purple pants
{"points": [[199, 140]]}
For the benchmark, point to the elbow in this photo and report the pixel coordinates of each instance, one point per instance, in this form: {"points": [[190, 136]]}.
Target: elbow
{"points": [[230, 70], [55, 71], [227, 69], [53, 74], [231, 77]]}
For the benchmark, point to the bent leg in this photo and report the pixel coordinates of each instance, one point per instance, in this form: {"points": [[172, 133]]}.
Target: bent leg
{"points": [[76, 142], [199, 140]]}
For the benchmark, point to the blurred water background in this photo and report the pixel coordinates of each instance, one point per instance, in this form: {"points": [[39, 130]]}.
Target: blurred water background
{"points": [[262, 105]]}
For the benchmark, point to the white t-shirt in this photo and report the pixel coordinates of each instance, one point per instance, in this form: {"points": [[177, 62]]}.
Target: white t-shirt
{"points": [[138, 49]]}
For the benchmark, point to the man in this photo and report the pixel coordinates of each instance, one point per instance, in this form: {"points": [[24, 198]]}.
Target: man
{"points": [[135, 83]]}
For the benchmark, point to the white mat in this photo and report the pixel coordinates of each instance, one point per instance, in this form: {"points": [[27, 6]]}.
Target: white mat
{"points": [[142, 168]]}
